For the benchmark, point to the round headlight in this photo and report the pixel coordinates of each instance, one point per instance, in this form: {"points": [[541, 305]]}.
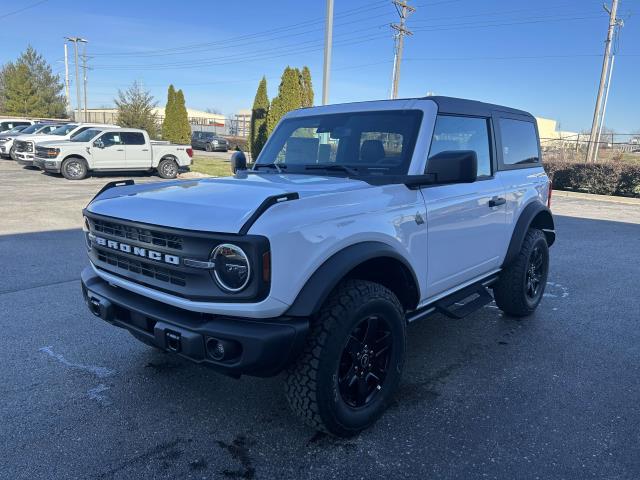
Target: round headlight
{"points": [[231, 267]]}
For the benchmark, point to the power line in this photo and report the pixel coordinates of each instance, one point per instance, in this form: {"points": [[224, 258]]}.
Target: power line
{"points": [[256, 54], [191, 47], [23, 9]]}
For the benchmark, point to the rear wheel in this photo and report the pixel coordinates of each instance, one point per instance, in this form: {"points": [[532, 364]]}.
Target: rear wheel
{"points": [[353, 360], [521, 285], [168, 168], [74, 169]]}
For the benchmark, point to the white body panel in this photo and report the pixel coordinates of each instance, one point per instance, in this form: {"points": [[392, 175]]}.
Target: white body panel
{"points": [[449, 234]]}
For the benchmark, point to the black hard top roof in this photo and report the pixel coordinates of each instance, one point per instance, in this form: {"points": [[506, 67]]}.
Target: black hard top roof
{"points": [[472, 107]]}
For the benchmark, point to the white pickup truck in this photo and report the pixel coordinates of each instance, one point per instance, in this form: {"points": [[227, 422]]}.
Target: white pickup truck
{"points": [[115, 149], [26, 144]]}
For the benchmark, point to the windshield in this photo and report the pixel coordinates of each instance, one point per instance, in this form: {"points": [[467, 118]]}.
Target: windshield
{"points": [[62, 130], [32, 128], [363, 142], [15, 130], [87, 135]]}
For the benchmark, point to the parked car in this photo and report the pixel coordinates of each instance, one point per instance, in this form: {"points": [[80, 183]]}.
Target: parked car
{"points": [[209, 141], [62, 133], [6, 139], [9, 123], [24, 144], [116, 149], [355, 221]]}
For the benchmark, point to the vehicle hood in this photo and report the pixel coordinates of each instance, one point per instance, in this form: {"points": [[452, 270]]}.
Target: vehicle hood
{"points": [[48, 138], [59, 143], [213, 204], [29, 136]]}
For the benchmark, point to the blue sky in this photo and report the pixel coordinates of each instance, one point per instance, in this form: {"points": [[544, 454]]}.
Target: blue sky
{"points": [[540, 55]]}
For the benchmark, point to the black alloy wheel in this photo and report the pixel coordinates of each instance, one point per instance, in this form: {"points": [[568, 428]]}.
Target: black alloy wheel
{"points": [[535, 273], [365, 361]]}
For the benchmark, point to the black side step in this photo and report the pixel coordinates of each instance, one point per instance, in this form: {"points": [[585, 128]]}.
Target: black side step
{"points": [[464, 302]]}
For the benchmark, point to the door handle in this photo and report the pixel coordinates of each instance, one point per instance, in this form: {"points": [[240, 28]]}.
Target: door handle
{"points": [[496, 201], [120, 150], [145, 149]]}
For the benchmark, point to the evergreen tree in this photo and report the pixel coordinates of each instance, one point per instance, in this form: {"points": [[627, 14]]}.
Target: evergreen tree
{"points": [[289, 97], [169, 121], [275, 113], [307, 87], [136, 110], [183, 128], [28, 87], [259, 112]]}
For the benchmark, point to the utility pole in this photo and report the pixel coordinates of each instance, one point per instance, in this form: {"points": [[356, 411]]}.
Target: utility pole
{"points": [[66, 76], [84, 77], [328, 41], [404, 11], [613, 24], [75, 41], [604, 108]]}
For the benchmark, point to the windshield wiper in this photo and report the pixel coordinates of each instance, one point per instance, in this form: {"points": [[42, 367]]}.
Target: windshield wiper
{"points": [[279, 168], [333, 166]]}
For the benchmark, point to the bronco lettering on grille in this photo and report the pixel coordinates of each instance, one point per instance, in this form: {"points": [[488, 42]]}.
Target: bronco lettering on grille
{"points": [[138, 251]]}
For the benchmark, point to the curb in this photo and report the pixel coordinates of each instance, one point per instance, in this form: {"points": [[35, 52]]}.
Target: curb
{"points": [[597, 198]]}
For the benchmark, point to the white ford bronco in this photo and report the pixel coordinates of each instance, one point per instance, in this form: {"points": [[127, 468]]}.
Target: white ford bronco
{"points": [[111, 149], [355, 221]]}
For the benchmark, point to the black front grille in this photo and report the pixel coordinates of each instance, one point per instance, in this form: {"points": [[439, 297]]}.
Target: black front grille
{"points": [[143, 268], [42, 152], [137, 234], [24, 146]]}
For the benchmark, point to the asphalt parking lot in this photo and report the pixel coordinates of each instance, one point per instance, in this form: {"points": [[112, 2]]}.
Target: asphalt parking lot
{"points": [[553, 396]]}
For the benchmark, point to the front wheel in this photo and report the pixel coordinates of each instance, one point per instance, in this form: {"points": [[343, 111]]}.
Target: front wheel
{"points": [[353, 360], [74, 169], [168, 168], [521, 285]]}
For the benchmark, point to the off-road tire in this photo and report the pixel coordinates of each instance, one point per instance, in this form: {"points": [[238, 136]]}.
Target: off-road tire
{"points": [[311, 384], [510, 291], [74, 168], [167, 168]]}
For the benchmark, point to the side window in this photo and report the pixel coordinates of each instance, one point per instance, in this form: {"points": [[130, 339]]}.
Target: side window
{"points": [[519, 142], [79, 131], [463, 133], [111, 138], [133, 138]]}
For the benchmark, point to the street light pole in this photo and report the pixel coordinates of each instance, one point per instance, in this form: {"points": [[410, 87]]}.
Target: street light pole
{"points": [[75, 41], [328, 40], [66, 77]]}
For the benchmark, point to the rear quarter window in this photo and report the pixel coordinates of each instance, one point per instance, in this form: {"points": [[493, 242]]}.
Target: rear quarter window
{"points": [[519, 143]]}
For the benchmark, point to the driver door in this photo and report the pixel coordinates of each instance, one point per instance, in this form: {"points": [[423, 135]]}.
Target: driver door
{"points": [[108, 152], [466, 222]]}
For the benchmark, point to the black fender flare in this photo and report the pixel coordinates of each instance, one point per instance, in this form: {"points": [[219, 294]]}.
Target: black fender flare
{"points": [[322, 282], [533, 215]]}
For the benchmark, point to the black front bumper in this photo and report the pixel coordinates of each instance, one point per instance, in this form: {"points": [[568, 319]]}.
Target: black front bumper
{"points": [[259, 347]]}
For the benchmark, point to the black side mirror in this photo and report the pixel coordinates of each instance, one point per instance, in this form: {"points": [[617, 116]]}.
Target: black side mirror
{"points": [[238, 161], [454, 166], [98, 143]]}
